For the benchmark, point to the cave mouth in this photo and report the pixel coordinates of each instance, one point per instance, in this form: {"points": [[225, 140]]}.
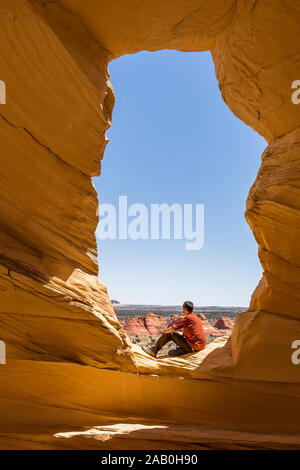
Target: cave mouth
{"points": [[172, 130]]}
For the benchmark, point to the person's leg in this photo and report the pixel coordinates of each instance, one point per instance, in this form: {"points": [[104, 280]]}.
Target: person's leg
{"points": [[177, 338], [179, 351], [181, 342], [164, 339]]}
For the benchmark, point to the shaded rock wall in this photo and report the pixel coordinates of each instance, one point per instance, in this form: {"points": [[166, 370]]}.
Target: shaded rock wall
{"points": [[68, 359]]}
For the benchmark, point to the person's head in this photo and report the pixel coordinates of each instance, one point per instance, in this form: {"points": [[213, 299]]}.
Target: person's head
{"points": [[187, 307]]}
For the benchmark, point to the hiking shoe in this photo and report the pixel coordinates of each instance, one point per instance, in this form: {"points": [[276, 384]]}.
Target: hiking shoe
{"points": [[149, 351], [176, 352]]}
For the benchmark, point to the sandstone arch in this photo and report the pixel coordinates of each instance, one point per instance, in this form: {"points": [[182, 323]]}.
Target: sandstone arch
{"points": [[54, 309]]}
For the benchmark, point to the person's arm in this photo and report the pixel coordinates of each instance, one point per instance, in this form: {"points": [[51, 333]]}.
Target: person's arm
{"points": [[177, 325], [168, 330]]}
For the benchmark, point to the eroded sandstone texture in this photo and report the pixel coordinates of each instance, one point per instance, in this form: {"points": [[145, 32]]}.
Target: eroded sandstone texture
{"points": [[69, 364]]}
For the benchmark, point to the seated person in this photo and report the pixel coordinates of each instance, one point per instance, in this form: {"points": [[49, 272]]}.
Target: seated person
{"points": [[192, 340]]}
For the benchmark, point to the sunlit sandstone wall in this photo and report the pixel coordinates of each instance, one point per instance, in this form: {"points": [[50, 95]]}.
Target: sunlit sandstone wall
{"points": [[56, 318], [256, 64], [255, 46], [52, 139]]}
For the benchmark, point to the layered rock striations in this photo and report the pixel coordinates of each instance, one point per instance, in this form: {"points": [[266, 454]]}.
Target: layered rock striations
{"points": [[69, 364]]}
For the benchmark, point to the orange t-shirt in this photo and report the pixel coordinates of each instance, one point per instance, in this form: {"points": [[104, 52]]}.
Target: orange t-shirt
{"points": [[192, 330]]}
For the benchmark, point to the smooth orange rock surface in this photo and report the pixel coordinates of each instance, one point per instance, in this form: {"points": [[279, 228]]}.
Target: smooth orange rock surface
{"points": [[70, 366]]}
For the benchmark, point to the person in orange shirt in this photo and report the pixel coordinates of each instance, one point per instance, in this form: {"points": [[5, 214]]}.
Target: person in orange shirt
{"points": [[192, 340]]}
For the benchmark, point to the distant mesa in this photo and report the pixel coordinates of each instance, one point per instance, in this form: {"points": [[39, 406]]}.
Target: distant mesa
{"points": [[116, 302]]}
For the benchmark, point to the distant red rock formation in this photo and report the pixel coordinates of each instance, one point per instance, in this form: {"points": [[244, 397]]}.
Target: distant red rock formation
{"points": [[136, 326], [224, 323], [207, 327], [155, 323], [202, 316], [152, 324], [173, 318]]}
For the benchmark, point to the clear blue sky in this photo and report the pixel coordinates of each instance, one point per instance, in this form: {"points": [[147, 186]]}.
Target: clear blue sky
{"points": [[173, 139]]}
